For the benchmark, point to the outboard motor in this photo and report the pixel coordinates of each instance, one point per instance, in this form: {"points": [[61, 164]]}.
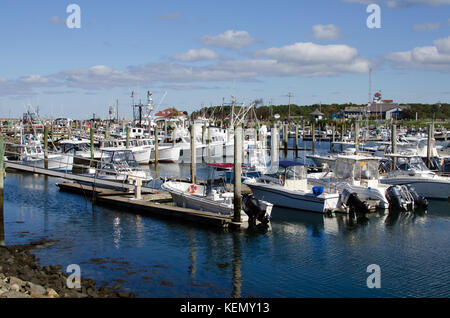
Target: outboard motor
{"points": [[400, 198], [354, 204], [419, 201], [254, 209]]}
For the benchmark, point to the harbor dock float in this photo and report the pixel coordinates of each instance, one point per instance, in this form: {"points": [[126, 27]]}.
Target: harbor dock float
{"points": [[157, 203]]}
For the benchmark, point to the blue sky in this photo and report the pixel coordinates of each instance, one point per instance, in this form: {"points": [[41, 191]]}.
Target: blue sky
{"points": [[202, 51]]}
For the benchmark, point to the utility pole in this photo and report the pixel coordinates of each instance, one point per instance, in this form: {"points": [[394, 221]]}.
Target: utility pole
{"points": [[289, 95]]}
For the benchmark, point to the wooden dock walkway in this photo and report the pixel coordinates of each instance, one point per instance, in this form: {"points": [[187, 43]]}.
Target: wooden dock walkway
{"points": [[157, 203]]}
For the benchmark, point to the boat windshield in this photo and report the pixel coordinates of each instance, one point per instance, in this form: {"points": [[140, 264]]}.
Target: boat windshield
{"points": [[295, 173], [366, 170], [121, 158], [414, 163], [356, 169]]}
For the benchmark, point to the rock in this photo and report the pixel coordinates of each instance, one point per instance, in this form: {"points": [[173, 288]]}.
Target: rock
{"points": [[15, 288], [51, 293], [13, 294], [14, 280], [36, 290]]}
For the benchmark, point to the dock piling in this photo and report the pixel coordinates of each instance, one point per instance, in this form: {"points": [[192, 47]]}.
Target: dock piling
{"points": [[193, 154], [394, 145], [46, 147], [430, 136], [2, 174], [237, 173]]}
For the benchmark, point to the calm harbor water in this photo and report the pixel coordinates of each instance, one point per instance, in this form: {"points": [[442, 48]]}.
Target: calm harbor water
{"points": [[299, 255]]}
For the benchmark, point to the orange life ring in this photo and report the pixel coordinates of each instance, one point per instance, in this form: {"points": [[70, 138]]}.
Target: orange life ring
{"points": [[192, 189]]}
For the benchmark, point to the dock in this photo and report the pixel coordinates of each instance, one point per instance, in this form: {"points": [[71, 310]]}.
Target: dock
{"points": [[157, 203]]}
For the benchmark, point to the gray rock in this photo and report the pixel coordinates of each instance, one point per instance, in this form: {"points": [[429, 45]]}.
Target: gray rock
{"points": [[13, 294], [14, 280], [15, 288], [36, 290]]}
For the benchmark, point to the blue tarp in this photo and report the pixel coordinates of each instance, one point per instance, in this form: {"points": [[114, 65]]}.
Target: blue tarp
{"points": [[286, 164]]}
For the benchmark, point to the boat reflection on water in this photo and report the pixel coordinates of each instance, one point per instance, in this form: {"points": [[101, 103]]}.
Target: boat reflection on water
{"points": [[304, 223]]}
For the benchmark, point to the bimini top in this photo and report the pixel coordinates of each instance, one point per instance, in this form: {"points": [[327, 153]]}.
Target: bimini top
{"points": [[286, 164]]}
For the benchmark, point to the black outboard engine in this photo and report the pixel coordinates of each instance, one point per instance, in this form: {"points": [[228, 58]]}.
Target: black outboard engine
{"points": [[400, 198], [254, 209], [354, 204], [419, 201]]}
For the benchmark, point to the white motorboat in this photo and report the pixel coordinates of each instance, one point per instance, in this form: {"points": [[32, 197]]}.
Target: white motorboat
{"points": [[411, 170], [141, 148], [356, 174], [166, 153], [31, 153], [79, 149], [288, 187], [216, 200], [118, 164]]}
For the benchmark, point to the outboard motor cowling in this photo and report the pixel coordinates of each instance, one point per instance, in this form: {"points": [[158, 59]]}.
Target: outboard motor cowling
{"points": [[254, 209], [419, 201], [400, 198], [354, 204]]}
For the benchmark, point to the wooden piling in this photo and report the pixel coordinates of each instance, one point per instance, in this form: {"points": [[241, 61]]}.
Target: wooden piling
{"points": [[237, 173], [273, 144], [394, 145], [356, 137], [2, 173], [429, 146], [193, 154], [156, 148], [46, 147], [92, 164], [313, 139], [333, 133], [127, 142]]}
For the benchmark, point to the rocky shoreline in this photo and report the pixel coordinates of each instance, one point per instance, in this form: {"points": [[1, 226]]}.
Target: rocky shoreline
{"points": [[21, 276]]}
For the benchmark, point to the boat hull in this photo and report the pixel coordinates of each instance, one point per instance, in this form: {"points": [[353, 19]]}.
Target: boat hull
{"points": [[428, 188], [294, 199]]}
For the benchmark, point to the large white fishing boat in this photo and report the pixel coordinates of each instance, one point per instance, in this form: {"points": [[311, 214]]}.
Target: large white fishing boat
{"points": [[31, 153], [288, 187]]}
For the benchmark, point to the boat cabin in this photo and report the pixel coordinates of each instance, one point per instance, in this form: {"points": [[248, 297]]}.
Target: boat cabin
{"points": [[358, 170]]}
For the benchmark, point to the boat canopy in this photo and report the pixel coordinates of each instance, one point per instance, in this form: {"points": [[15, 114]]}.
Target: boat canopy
{"points": [[286, 164]]}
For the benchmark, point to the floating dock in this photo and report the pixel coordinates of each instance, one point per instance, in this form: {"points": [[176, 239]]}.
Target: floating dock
{"points": [[157, 203]]}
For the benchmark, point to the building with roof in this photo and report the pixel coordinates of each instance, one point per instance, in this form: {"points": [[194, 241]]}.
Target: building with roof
{"points": [[378, 109], [170, 113], [317, 115]]}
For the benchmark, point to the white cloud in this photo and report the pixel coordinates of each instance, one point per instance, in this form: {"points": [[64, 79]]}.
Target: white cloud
{"points": [[298, 59], [326, 32], [233, 40], [424, 57], [428, 26], [34, 79], [308, 52], [443, 45], [196, 55]]}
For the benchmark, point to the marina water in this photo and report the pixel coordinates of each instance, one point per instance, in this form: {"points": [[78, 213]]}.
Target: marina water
{"points": [[301, 254]]}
